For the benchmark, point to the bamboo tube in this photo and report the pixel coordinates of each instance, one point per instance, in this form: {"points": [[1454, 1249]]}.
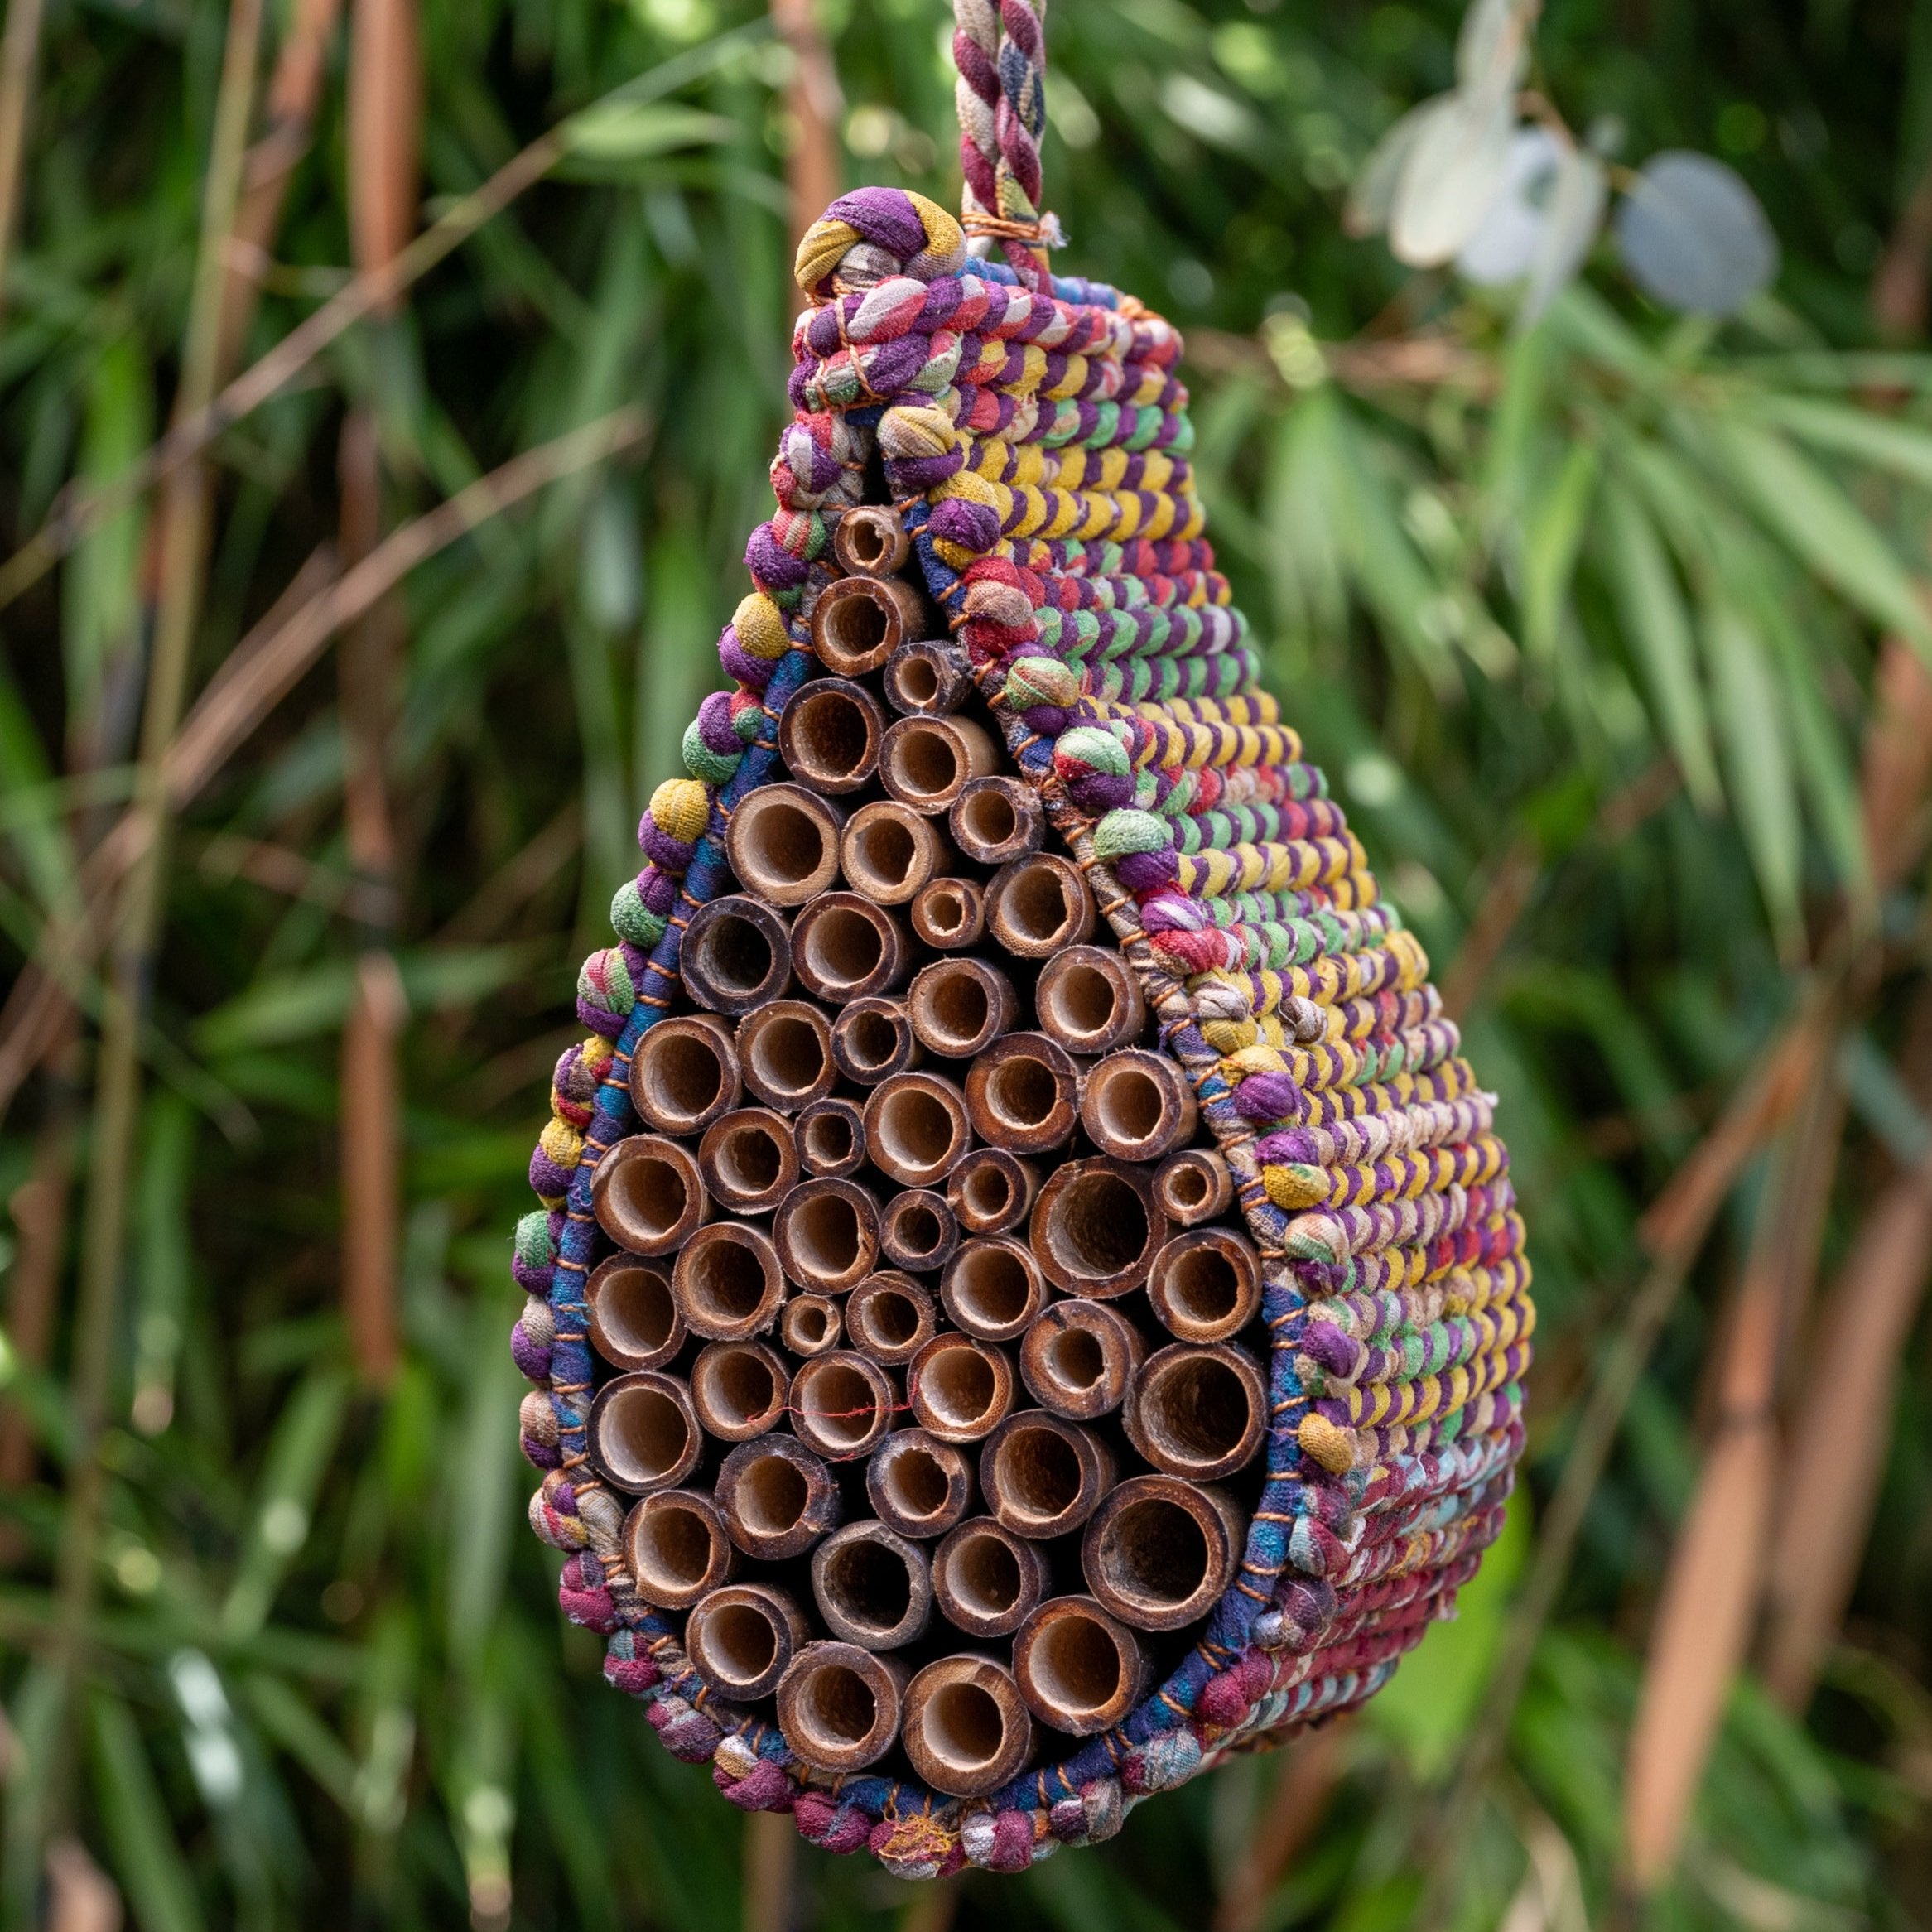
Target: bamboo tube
{"points": [[888, 852], [950, 914], [738, 1390], [991, 1191], [872, 1039], [1080, 1670], [992, 1289], [1022, 1093], [783, 843], [1089, 1000], [648, 1194], [997, 819], [777, 1498], [890, 1317], [684, 1073], [643, 1431], [1159, 1552], [784, 1050], [916, 1128], [1193, 1185], [1137, 1105], [964, 1727], [927, 678], [1077, 1358], [1197, 1412], [960, 1389], [959, 1007], [749, 1161], [810, 1324], [859, 622], [1095, 1229], [917, 1230], [676, 1548], [736, 955], [826, 1233], [872, 1587], [845, 947], [917, 1484], [842, 1404], [985, 1580], [633, 1320], [742, 1637], [1205, 1286], [839, 1706], [830, 1138], [1039, 905], [728, 1282], [1043, 1475], [829, 735], [925, 763], [871, 542]]}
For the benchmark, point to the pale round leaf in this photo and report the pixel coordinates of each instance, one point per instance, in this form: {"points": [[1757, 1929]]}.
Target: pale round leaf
{"points": [[1694, 237], [1450, 177], [1367, 210], [1572, 220], [1507, 236], [1492, 51]]}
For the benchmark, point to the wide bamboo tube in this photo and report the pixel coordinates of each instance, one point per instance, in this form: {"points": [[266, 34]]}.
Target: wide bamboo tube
{"points": [[1077, 1358], [872, 1039], [1205, 1286], [917, 1484], [827, 1234], [948, 914], [728, 1282], [1080, 1670], [1193, 1185], [738, 1390], [927, 678], [810, 1324], [1022, 1093], [842, 1404], [859, 622], [1038, 905], [829, 735], [872, 1587], [643, 1431], [839, 1706], [676, 1548], [684, 1073], [783, 843], [742, 1638], [917, 1128], [1043, 1475], [985, 1580], [830, 1137], [991, 1191], [960, 1389], [889, 852], [1095, 1229], [997, 819], [890, 1317], [1089, 1000], [736, 955], [777, 1497], [785, 1051], [749, 1160], [632, 1314], [1159, 1552], [648, 1194], [917, 1230], [1197, 1412], [925, 763], [959, 1007], [1137, 1105], [870, 541], [993, 1288], [965, 1728], [846, 947]]}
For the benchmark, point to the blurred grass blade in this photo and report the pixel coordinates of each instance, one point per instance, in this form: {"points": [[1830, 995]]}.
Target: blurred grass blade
{"points": [[160, 1886], [1552, 538]]}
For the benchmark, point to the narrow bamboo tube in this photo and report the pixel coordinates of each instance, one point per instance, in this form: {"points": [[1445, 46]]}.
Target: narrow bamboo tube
{"points": [[728, 1282], [846, 947], [890, 1317], [826, 1233], [1022, 1093], [1159, 1552], [829, 735], [871, 542], [1197, 1412], [960, 1389], [917, 1484], [917, 1230], [783, 843], [1095, 1229], [830, 1137], [742, 1637], [1043, 1475], [633, 1318], [917, 1128], [872, 1039], [676, 1548], [810, 1324], [927, 678], [1080, 1670], [777, 1498], [840, 1707], [736, 955], [950, 914], [965, 1728], [985, 1580], [992, 1289], [684, 1073], [749, 1161], [997, 819], [859, 622], [738, 1390], [1205, 1286], [959, 1007], [1038, 905], [872, 1586], [1137, 1105], [991, 1191], [643, 1431], [888, 852], [785, 1051], [842, 1404], [1078, 1357], [648, 1194], [1193, 1185], [1089, 1000], [925, 763]]}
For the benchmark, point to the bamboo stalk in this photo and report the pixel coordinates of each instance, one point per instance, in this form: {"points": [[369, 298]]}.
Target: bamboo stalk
{"points": [[871, 542], [632, 1314], [1193, 1185], [992, 1289], [643, 1431], [991, 1190], [859, 622], [1077, 1357], [889, 851], [950, 914], [959, 1007], [19, 59], [684, 1073], [777, 1498], [1038, 906], [827, 1234], [985, 1580], [810, 1324], [829, 735], [916, 1231], [1023, 1094], [917, 1128], [829, 1136], [872, 1039], [1197, 1412], [917, 1484], [1205, 1286], [728, 1282], [740, 1390], [742, 1637], [782, 843], [926, 763], [1089, 1000], [839, 1706], [676, 1548], [748, 1159], [648, 1194], [846, 948], [1095, 1229], [842, 1404], [890, 1317], [1159, 1552], [1080, 1670], [927, 678], [966, 1729], [872, 1587], [784, 1051], [736, 955], [996, 820], [1137, 1106], [1043, 1475], [960, 1389]]}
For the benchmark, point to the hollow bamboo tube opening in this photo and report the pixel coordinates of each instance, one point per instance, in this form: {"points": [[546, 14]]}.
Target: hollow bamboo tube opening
{"points": [[839, 1706], [738, 1390], [927, 678], [966, 1730], [959, 1007], [684, 1073], [676, 1548], [1080, 1670], [742, 1638], [991, 1191], [777, 1497], [871, 542], [872, 1039], [633, 1316], [950, 914], [648, 1194], [845, 947], [859, 622], [872, 1587], [890, 1317], [785, 1051], [1043, 1475], [842, 1404], [1094, 1228], [925, 763], [985, 1580], [917, 1230], [643, 1431], [1037, 905], [1022, 1093], [1205, 1286], [959, 1388], [1077, 1358], [736, 955], [1193, 1185], [748, 1160], [1089, 1000], [888, 852], [916, 1128], [993, 1288], [1137, 1105], [997, 819], [917, 1484], [1197, 1412], [728, 1282], [810, 1324], [829, 735], [1159, 1552], [783, 843], [830, 1137], [826, 1233]]}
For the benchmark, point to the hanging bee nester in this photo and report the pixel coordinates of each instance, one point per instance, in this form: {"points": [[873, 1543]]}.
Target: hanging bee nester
{"points": [[1028, 1298]]}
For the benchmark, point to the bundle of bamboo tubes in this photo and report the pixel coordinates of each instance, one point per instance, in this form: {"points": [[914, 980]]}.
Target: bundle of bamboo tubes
{"points": [[933, 1331]]}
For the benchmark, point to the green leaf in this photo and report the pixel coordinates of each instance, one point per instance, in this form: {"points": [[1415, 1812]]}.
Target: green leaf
{"points": [[619, 130], [1553, 536], [142, 1836], [1890, 443]]}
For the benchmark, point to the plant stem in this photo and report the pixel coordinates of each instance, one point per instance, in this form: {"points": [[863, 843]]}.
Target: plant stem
{"points": [[19, 57]]}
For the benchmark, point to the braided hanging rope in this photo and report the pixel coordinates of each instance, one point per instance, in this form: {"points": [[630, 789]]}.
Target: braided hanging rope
{"points": [[1000, 49]]}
